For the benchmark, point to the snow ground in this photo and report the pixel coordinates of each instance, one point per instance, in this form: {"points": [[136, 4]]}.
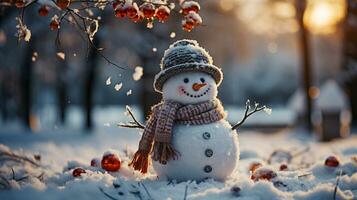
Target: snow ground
{"points": [[60, 150]]}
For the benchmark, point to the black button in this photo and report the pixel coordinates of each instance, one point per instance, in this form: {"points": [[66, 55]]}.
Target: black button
{"points": [[207, 168], [209, 152], [206, 135]]}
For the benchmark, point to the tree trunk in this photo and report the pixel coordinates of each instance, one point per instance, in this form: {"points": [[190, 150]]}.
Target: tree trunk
{"points": [[305, 61], [89, 84], [61, 89], [350, 57], [26, 82], [149, 96]]}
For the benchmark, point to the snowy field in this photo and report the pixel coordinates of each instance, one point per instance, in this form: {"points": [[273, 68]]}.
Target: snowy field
{"points": [[306, 176]]}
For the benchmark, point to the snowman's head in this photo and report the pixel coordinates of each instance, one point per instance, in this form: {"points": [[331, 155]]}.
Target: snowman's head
{"points": [[190, 88]]}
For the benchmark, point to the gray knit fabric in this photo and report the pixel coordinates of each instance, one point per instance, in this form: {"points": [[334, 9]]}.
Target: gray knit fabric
{"points": [[184, 56]]}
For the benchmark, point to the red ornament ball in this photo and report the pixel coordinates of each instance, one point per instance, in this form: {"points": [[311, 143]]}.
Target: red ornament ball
{"points": [[263, 173], [332, 161], [111, 162], [43, 11], [63, 4], [54, 25], [283, 167], [120, 12], [188, 6], [254, 166], [162, 13], [148, 9], [95, 162], [78, 171]]}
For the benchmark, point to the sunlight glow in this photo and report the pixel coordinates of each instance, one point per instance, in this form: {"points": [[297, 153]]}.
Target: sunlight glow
{"points": [[323, 16], [265, 16]]}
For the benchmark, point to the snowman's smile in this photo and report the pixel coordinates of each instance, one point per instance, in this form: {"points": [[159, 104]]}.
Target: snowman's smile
{"points": [[195, 95]]}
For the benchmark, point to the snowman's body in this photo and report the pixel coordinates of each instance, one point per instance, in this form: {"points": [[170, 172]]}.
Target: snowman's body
{"points": [[206, 151]]}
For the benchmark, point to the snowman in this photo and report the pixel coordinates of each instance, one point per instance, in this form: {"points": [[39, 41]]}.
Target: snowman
{"points": [[187, 135]]}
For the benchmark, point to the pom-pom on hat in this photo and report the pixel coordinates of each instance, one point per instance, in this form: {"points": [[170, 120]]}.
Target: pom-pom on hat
{"points": [[186, 56]]}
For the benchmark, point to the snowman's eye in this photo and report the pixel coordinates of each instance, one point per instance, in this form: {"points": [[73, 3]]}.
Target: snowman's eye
{"points": [[185, 80], [202, 80]]}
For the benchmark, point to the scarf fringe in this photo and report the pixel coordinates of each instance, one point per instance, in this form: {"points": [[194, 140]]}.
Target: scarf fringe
{"points": [[140, 161], [163, 152]]}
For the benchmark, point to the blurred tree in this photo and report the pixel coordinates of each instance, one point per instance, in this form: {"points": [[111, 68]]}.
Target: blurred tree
{"points": [[62, 87], [92, 63], [26, 82], [305, 60], [350, 56]]}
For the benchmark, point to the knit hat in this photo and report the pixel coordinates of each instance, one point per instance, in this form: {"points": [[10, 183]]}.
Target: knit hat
{"points": [[185, 56]]}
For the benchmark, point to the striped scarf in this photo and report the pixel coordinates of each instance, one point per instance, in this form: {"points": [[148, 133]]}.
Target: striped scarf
{"points": [[156, 138]]}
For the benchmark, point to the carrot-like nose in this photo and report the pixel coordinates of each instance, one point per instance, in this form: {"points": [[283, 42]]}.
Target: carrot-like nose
{"points": [[197, 86]]}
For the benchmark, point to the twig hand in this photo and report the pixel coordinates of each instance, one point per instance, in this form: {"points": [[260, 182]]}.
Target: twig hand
{"points": [[249, 111], [133, 124]]}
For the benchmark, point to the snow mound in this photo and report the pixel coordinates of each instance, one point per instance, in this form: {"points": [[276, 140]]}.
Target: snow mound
{"points": [[43, 169]]}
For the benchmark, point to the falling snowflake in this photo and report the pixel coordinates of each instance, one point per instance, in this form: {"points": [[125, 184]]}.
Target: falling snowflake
{"points": [[154, 49], [268, 110], [118, 86], [34, 56], [129, 92], [61, 55], [108, 81], [139, 71], [172, 35]]}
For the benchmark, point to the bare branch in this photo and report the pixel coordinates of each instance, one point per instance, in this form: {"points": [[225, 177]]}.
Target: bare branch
{"points": [[146, 190], [185, 195], [15, 157], [248, 112], [336, 186], [106, 194]]}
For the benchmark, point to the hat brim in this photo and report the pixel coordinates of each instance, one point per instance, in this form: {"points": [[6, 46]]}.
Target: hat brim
{"points": [[165, 74]]}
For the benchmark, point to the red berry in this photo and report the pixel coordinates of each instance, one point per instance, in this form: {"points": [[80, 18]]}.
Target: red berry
{"points": [[283, 167], [148, 10], [187, 25], [120, 12], [162, 13], [78, 171], [111, 162], [131, 11], [194, 18], [332, 161], [63, 4], [20, 3], [253, 166], [43, 11], [263, 173], [54, 25], [115, 4], [138, 17], [188, 6]]}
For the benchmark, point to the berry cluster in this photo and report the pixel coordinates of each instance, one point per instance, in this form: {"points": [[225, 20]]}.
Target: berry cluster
{"points": [[190, 9], [149, 10]]}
